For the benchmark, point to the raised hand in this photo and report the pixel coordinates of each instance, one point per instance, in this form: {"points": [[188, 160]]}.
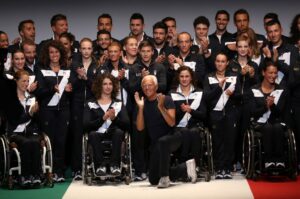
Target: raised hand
{"points": [[139, 100], [161, 100]]}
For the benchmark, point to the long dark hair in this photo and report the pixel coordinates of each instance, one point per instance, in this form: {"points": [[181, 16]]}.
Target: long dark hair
{"points": [[97, 85]]}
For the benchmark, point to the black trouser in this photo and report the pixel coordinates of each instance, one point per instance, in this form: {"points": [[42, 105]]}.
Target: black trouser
{"points": [[160, 159], [30, 152], [296, 118], [139, 147], [191, 144], [224, 133], [76, 133], [56, 123], [273, 142], [244, 116], [116, 135]]}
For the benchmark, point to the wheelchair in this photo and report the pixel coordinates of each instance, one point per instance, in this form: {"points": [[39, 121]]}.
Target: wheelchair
{"points": [[253, 156], [89, 175], [206, 168], [10, 162]]}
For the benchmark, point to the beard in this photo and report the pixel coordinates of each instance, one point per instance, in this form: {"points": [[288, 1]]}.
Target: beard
{"points": [[159, 42]]}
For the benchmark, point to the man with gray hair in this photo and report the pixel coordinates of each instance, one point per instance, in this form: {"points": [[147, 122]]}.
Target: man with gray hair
{"points": [[156, 116]]}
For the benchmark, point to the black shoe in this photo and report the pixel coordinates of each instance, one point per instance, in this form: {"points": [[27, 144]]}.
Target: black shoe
{"points": [[227, 175], [36, 180], [101, 171], [115, 170], [219, 175], [269, 165], [280, 165], [77, 176], [25, 181], [140, 177], [60, 178]]}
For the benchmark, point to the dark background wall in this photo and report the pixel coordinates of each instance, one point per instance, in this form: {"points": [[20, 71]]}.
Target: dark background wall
{"points": [[82, 15]]}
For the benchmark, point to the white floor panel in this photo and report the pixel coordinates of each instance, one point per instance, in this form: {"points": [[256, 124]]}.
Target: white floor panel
{"points": [[237, 188]]}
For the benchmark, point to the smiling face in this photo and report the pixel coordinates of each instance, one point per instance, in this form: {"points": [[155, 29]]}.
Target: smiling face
{"points": [[30, 53], [54, 55], [103, 40], [274, 33], [4, 41], [222, 22], [23, 82], [270, 74], [131, 47], [18, 61], [149, 87]]}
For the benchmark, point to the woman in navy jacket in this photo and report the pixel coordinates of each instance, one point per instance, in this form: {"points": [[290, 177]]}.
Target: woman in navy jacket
{"points": [[268, 103], [190, 112], [85, 69], [222, 91], [23, 131], [106, 117], [54, 93]]}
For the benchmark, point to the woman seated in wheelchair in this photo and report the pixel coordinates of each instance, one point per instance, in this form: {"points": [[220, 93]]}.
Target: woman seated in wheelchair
{"points": [[106, 118], [23, 131], [269, 101], [190, 112]]}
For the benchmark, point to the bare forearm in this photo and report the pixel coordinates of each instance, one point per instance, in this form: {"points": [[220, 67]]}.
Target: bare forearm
{"points": [[140, 120], [168, 115]]}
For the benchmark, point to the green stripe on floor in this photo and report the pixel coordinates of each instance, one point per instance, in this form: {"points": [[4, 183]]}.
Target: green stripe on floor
{"points": [[56, 192]]}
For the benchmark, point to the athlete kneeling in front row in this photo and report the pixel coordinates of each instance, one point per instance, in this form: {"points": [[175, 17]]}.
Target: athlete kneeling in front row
{"points": [[156, 115]]}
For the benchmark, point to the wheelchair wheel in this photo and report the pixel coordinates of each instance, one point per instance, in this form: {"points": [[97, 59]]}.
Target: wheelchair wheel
{"points": [[209, 152], [248, 153], [128, 157], [3, 160], [87, 155], [49, 157], [84, 150], [292, 156]]}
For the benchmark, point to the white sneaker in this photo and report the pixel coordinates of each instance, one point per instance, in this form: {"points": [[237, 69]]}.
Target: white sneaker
{"points": [[280, 165], [269, 165], [191, 170], [164, 182]]}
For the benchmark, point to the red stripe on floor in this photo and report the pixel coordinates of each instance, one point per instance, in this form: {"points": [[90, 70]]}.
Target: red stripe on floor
{"points": [[275, 188]]}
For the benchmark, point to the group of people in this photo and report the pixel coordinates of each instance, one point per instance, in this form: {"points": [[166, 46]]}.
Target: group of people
{"points": [[162, 90]]}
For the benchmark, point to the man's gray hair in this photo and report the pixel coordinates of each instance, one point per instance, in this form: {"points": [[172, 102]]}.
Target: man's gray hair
{"points": [[152, 77]]}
